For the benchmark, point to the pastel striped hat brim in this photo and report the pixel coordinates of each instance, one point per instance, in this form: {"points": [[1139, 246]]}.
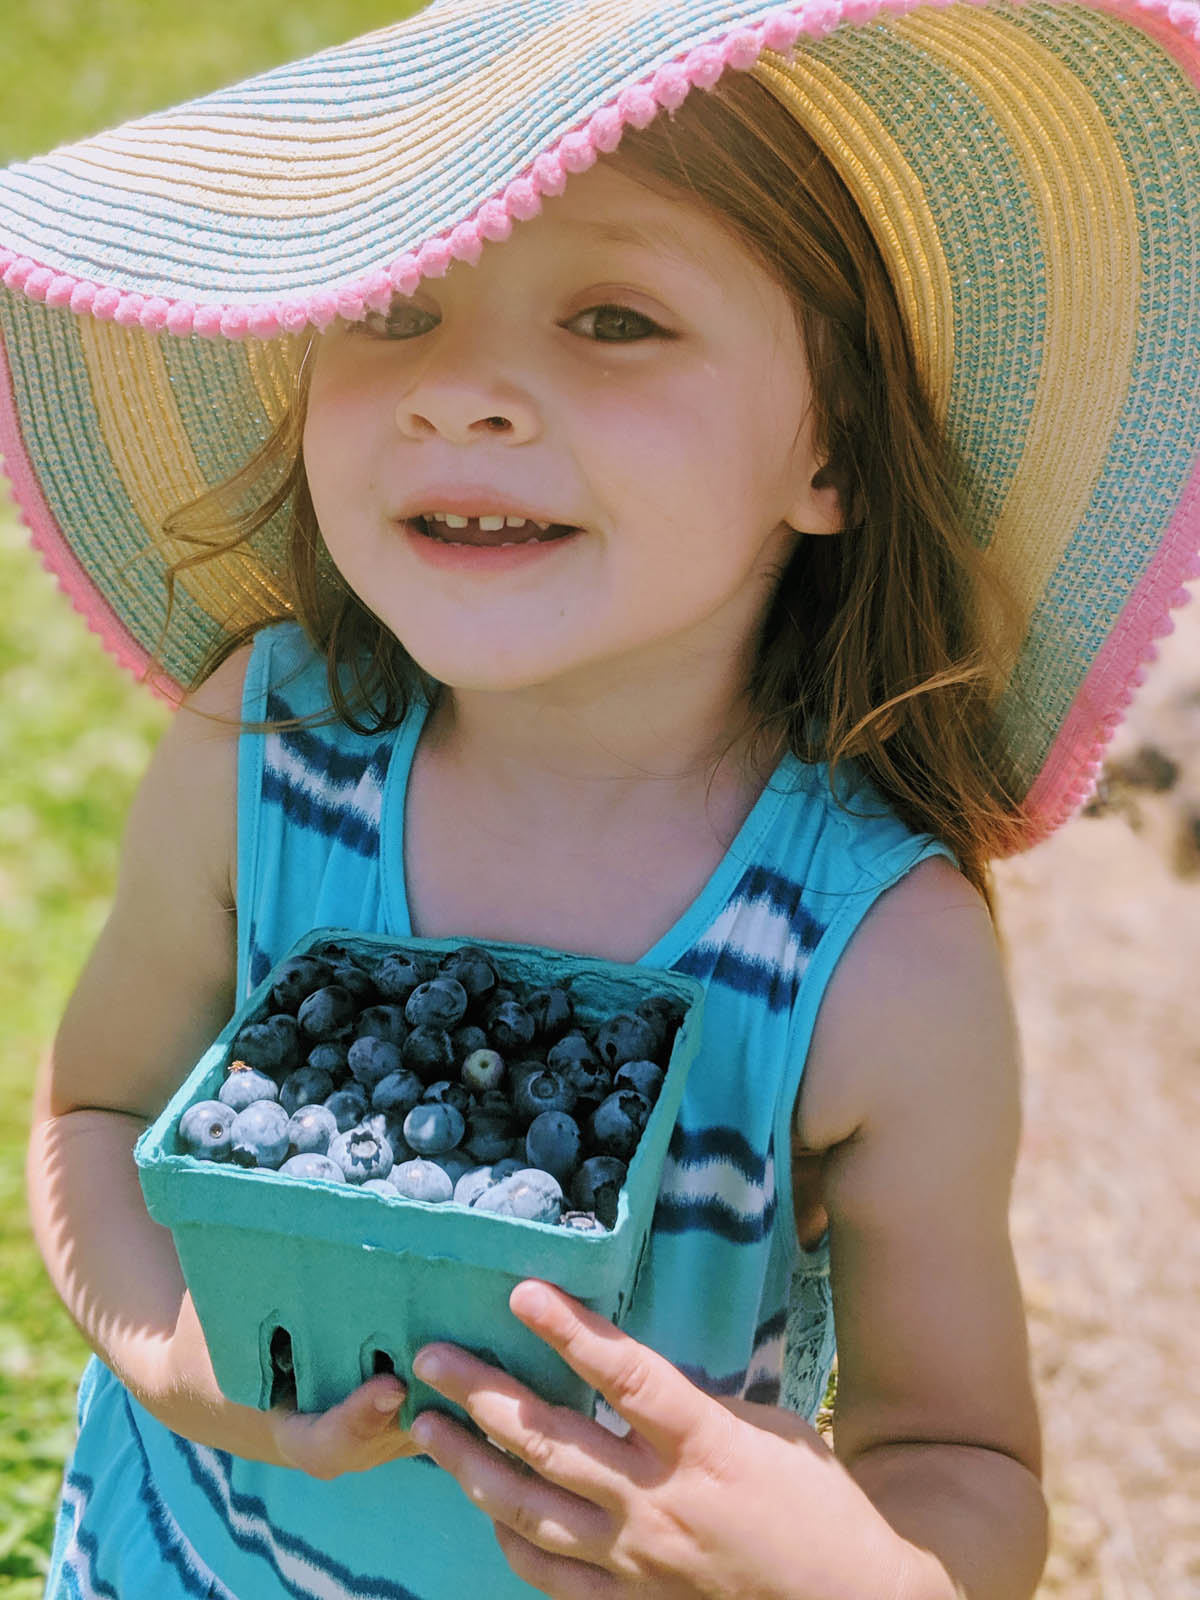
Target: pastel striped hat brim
{"points": [[1031, 173]]}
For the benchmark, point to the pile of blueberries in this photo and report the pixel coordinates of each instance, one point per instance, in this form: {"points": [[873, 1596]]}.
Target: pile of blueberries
{"points": [[439, 1080]]}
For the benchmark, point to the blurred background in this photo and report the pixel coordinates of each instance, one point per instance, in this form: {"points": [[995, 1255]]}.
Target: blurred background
{"points": [[1101, 925]]}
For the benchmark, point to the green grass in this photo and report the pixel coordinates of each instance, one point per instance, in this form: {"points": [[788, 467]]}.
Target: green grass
{"points": [[75, 733]]}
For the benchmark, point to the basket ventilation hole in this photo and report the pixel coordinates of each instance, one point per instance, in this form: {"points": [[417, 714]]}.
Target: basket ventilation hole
{"points": [[283, 1372], [382, 1362]]}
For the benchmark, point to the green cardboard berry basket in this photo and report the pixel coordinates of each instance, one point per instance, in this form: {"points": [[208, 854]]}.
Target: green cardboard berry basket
{"points": [[360, 1281]]}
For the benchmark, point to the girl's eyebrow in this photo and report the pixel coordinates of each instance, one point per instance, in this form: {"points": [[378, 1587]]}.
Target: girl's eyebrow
{"points": [[661, 238]]}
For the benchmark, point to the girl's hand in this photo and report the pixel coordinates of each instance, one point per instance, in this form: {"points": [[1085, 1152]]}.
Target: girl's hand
{"points": [[702, 1498], [358, 1434]]}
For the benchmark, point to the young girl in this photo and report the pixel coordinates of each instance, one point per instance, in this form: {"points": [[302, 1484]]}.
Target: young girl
{"points": [[700, 539]]}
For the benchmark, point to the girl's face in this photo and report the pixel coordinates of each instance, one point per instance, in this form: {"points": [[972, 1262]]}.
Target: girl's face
{"points": [[651, 393]]}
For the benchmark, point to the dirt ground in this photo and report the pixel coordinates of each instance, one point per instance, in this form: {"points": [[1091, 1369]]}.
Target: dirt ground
{"points": [[1103, 928]]}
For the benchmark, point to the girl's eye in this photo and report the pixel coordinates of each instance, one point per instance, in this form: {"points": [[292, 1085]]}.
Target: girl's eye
{"points": [[400, 321], [611, 325], [619, 318]]}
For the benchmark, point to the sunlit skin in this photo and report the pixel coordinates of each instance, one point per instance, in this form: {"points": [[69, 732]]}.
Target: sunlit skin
{"points": [[674, 429]]}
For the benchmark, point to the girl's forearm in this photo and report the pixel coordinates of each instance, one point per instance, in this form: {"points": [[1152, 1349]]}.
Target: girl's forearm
{"points": [[974, 1519], [118, 1275]]}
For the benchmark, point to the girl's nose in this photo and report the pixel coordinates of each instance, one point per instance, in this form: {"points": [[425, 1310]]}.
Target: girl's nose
{"points": [[464, 393]]}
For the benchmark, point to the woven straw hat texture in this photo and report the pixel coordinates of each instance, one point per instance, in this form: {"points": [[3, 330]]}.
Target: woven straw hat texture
{"points": [[1031, 173]]}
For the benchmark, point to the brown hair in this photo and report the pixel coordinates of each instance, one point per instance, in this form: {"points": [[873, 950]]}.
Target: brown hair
{"points": [[886, 645]]}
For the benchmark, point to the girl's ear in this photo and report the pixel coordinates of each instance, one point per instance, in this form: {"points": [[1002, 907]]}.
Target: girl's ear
{"points": [[823, 508]]}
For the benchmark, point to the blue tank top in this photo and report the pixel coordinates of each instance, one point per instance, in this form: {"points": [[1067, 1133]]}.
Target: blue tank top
{"points": [[725, 1292]]}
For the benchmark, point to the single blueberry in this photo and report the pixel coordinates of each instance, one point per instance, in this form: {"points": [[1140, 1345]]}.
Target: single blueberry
{"points": [[383, 1186], [382, 1022], [507, 1165], [532, 1194], [467, 1040], [450, 1094], [582, 1222], [372, 1060], [509, 1026], [553, 1143], [204, 1130], [429, 1053], [361, 1153], [304, 1087], [644, 1077], [397, 1094], [617, 1123], [665, 1013], [572, 1047], [454, 1163], [330, 1057], [472, 1184], [433, 1127], [312, 1164], [486, 1139], [471, 966], [271, 1046], [542, 1091], [625, 1037], [356, 980], [399, 973], [483, 1069], [295, 980], [596, 1187], [260, 1135], [310, 1129], [440, 1003], [348, 1105], [327, 1013], [422, 1180], [552, 1012], [590, 1081], [245, 1085]]}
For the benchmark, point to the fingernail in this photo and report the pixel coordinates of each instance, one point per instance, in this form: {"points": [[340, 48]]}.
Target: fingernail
{"points": [[426, 1365], [422, 1430], [534, 1300], [389, 1401]]}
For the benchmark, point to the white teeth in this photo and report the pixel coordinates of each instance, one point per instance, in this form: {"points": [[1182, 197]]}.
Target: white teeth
{"points": [[488, 524]]}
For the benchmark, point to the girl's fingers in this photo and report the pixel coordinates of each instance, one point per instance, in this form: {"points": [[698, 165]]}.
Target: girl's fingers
{"points": [[560, 1445], [564, 1579], [540, 1512], [359, 1433], [653, 1396]]}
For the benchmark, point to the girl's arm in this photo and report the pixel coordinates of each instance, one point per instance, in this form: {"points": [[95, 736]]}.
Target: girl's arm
{"points": [[912, 1089], [933, 1493], [156, 990]]}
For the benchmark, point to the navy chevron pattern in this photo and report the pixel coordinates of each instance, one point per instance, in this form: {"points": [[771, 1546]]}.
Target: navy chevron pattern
{"points": [[713, 1179], [761, 942]]}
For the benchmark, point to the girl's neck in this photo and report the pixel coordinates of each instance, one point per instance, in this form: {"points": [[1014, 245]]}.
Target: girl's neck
{"points": [[608, 752]]}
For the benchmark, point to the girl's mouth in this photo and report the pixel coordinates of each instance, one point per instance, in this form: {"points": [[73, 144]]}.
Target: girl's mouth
{"points": [[476, 537]]}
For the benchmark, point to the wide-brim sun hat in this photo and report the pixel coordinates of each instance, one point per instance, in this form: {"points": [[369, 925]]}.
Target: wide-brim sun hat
{"points": [[1030, 172]]}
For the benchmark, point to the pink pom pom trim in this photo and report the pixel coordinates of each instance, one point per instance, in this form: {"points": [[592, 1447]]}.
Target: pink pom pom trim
{"points": [[465, 243], [404, 274], [493, 220], [433, 258], [105, 304], [154, 314], [180, 320], [549, 173], [670, 86], [522, 199], [578, 151], [637, 106], [60, 291], [83, 297]]}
